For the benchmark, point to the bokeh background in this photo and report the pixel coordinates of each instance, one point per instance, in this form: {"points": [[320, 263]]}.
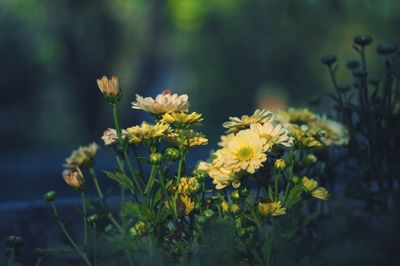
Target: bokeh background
{"points": [[229, 56]]}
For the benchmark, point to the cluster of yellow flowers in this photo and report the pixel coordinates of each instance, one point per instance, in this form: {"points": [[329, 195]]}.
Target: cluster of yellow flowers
{"points": [[245, 147]]}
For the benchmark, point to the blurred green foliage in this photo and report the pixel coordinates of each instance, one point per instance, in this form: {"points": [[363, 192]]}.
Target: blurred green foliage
{"points": [[220, 52]]}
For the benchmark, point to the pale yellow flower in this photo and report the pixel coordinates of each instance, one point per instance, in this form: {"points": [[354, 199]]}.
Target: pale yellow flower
{"points": [[74, 178], [110, 136], [320, 193], [221, 176], [81, 157], [236, 124], [309, 184], [181, 119], [147, 132], [244, 152], [225, 139], [273, 134], [188, 204], [271, 208], [298, 116], [109, 87], [188, 138], [333, 132], [163, 103]]}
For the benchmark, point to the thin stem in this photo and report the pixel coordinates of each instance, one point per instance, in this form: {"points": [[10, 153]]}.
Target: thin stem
{"points": [[39, 261], [12, 257], [177, 185], [85, 226], [74, 245]]}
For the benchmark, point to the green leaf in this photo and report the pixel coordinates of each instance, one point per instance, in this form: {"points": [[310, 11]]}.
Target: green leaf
{"points": [[123, 180]]}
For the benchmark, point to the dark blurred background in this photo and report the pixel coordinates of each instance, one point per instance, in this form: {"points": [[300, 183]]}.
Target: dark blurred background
{"points": [[229, 56]]}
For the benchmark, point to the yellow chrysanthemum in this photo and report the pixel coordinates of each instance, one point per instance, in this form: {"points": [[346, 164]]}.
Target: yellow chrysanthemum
{"points": [[188, 138], [304, 137], [221, 176], [188, 204], [187, 184], [181, 119], [236, 124], [308, 183], [333, 132], [163, 103], [81, 157], [147, 132], [225, 139], [271, 208], [320, 193], [244, 152], [273, 134], [298, 116]]}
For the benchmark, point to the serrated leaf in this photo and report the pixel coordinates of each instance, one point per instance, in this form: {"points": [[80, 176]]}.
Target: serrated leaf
{"points": [[123, 180]]}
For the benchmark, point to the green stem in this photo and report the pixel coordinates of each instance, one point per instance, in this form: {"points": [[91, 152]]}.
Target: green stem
{"points": [[177, 185], [74, 245], [85, 227], [12, 257], [39, 261]]}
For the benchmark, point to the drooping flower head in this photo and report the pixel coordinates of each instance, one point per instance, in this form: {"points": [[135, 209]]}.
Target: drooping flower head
{"points": [[81, 157], [74, 178], [236, 124], [147, 132], [163, 103], [311, 186]]}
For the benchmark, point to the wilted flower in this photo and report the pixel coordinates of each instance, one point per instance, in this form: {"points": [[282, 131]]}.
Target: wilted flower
{"points": [[182, 119], [147, 132], [110, 88], [236, 124], [308, 183], [74, 178], [110, 136], [81, 157], [271, 208], [164, 103], [320, 193], [311, 186], [188, 204]]}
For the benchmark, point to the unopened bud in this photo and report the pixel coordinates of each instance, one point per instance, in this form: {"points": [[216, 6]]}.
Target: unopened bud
{"points": [[155, 158], [49, 196], [280, 164], [201, 175], [362, 40], [172, 154]]}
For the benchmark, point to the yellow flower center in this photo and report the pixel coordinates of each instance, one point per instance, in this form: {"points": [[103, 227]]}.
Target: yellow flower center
{"points": [[245, 154], [268, 137]]}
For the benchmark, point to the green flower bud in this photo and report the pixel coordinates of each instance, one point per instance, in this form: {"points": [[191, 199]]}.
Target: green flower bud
{"points": [[200, 175], [216, 197], [194, 187], [362, 40], [352, 64], [208, 213], [14, 242], [244, 192], [280, 165], [386, 48], [155, 158], [328, 59], [310, 159], [108, 228], [172, 154], [49, 196], [92, 219], [295, 179], [235, 194]]}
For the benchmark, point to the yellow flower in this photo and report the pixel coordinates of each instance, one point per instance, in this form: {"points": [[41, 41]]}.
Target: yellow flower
{"points": [[187, 203], [110, 88], [140, 229], [271, 208], [273, 134], [147, 132], [110, 136], [221, 176], [163, 103], [333, 132], [312, 186], [181, 119], [236, 124], [81, 157], [298, 116], [189, 138], [309, 184], [225, 139], [320, 193], [224, 206], [246, 151], [304, 137], [74, 178], [280, 164], [186, 184]]}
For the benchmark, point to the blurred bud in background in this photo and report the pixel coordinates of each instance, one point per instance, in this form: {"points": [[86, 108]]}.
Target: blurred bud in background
{"points": [[272, 97]]}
